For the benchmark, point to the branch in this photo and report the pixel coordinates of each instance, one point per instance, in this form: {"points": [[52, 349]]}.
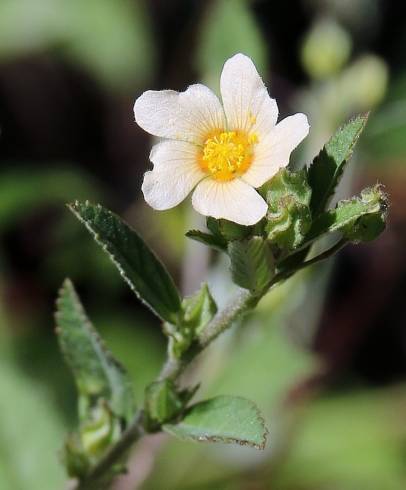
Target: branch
{"points": [[242, 302], [281, 276]]}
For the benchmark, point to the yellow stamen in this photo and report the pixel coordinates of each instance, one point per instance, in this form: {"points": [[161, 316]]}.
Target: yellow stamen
{"points": [[228, 154]]}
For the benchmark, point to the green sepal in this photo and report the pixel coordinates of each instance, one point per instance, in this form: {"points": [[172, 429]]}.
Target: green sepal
{"points": [[328, 167], [98, 375], [225, 419], [228, 230], [223, 231], [198, 309], [289, 218], [162, 403], [252, 263], [137, 264]]}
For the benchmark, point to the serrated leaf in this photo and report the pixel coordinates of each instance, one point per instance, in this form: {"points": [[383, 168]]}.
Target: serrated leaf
{"points": [[252, 264], [199, 309], [327, 168], [97, 374], [137, 264], [359, 219], [216, 242], [226, 419]]}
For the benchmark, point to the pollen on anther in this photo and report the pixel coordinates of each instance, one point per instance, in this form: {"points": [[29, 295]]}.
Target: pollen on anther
{"points": [[227, 154]]}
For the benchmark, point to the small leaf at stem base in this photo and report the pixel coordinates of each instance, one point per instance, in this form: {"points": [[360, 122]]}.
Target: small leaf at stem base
{"points": [[252, 264]]}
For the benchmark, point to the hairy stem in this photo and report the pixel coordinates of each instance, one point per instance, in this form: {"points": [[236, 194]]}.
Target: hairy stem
{"points": [[172, 369], [241, 303], [281, 276]]}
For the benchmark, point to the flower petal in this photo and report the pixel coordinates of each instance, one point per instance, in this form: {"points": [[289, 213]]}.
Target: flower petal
{"points": [[234, 200], [187, 116], [247, 104], [273, 152], [176, 172]]}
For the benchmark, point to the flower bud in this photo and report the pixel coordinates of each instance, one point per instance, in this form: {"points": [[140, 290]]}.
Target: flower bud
{"points": [[289, 217], [371, 225], [325, 49]]}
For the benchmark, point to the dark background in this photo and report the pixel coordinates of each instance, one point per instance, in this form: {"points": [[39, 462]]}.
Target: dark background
{"points": [[69, 75]]}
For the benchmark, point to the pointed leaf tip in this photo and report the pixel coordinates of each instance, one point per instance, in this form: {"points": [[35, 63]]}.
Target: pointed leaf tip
{"points": [[137, 264], [328, 166]]}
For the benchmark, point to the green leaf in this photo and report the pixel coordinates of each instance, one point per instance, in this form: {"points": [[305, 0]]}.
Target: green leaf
{"points": [[97, 374], [216, 242], [226, 419], [228, 230], [222, 231], [162, 402], [137, 264], [252, 264], [359, 219], [288, 220], [327, 168], [199, 309]]}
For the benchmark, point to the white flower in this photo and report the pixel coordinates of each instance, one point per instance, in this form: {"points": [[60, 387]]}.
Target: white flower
{"points": [[223, 152]]}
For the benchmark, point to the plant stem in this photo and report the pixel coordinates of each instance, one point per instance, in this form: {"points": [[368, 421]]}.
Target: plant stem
{"points": [[242, 302], [281, 276], [113, 455], [172, 369]]}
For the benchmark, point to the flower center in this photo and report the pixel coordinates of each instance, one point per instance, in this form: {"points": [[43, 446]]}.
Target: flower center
{"points": [[228, 154]]}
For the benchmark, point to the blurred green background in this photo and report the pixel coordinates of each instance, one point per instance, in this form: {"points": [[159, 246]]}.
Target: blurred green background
{"points": [[324, 356]]}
